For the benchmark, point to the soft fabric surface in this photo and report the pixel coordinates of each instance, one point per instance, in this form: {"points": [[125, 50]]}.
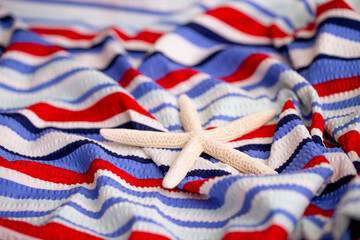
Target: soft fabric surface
{"points": [[69, 68]]}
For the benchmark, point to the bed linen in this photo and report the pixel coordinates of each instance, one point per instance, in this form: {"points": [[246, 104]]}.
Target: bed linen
{"points": [[69, 68]]}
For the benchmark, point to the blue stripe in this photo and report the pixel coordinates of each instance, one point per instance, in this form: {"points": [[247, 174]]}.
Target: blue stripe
{"points": [[330, 200], [46, 84], [300, 149], [117, 67], [323, 70], [271, 77], [351, 102], [315, 220], [18, 66], [285, 125], [89, 93], [308, 7], [19, 35]]}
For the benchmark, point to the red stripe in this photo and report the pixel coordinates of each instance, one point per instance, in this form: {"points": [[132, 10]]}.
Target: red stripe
{"points": [[315, 210], [337, 86], [33, 49], [137, 235], [173, 78], [316, 161], [50, 230], [288, 105], [247, 68], [128, 76], [106, 108], [335, 4], [64, 32], [350, 141], [246, 24], [194, 186], [145, 36], [273, 232], [317, 121], [262, 132]]}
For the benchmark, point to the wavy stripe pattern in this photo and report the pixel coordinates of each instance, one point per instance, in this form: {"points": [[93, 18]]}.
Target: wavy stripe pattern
{"points": [[69, 68]]}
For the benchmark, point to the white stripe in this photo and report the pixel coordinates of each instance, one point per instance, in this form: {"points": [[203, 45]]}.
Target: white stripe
{"points": [[312, 230], [104, 17], [328, 44], [183, 51], [295, 11], [103, 59], [161, 5], [345, 13], [255, 140], [136, 81], [88, 102], [67, 89], [50, 142], [18, 80], [340, 112], [354, 156], [341, 164]]}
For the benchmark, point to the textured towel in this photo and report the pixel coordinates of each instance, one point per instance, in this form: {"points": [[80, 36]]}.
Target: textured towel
{"points": [[69, 68]]}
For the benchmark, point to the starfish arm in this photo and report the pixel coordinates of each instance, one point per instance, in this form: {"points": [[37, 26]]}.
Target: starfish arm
{"points": [[146, 138], [188, 114], [241, 126], [183, 163], [238, 160]]}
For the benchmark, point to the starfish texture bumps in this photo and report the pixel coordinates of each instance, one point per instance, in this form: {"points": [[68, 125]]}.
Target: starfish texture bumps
{"points": [[195, 140]]}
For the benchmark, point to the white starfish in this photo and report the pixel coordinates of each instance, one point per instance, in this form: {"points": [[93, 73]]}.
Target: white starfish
{"points": [[195, 140]]}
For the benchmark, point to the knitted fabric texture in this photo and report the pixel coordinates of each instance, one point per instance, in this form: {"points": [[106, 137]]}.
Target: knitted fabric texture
{"points": [[69, 68], [196, 141]]}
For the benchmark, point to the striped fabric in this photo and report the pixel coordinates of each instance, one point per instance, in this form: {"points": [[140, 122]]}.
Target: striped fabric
{"points": [[69, 68]]}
